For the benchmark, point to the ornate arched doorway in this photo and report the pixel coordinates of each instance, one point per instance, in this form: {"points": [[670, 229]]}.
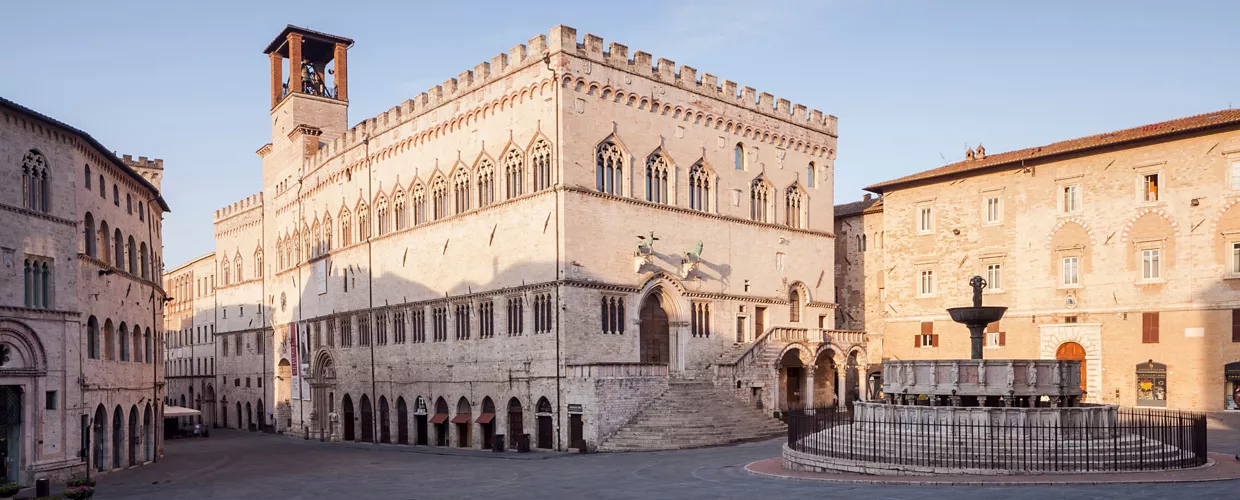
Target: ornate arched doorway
{"points": [[655, 338], [1073, 351], [545, 428], [321, 390]]}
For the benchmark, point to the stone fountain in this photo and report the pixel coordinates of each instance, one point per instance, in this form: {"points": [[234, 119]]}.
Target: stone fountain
{"points": [[982, 415]]}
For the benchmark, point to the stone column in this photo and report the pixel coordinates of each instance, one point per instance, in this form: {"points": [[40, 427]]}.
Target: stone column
{"points": [[277, 78], [294, 62], [809, 387], [841, 385], [863, 383], [342, 72]]}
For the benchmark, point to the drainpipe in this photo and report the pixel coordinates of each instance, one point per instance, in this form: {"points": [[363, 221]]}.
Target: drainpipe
{"points": [[559, 393], [370, 278], [155, 301]]}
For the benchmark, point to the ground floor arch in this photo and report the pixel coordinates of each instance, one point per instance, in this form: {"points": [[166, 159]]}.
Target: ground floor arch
{"points": [[249, 416], [654, 330], [385, 430], [368, 420], [1073, 351], [134, 437], [402, 421], [440, 421], [346, 406], [100, 438], [118, 437], [147, 433], [546, 429], [792, 379], [516, 425]]}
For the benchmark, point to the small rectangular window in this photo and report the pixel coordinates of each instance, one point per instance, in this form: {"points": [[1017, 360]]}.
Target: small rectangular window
{"points": [[1071, 271], [1149, 187], [993, 211], [1235, 258], [53, 400], [1069, 319], [1071, 199], [925, 220], [926, 283], [1150, 264], [927, 338], [1235, 175], [741, 322], [994, 277]]}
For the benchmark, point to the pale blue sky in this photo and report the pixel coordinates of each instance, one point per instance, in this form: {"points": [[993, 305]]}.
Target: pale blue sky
{"points": [[912, 82]]}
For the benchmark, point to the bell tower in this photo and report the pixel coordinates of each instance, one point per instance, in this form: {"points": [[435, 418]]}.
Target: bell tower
{"points": [[315, 92]]}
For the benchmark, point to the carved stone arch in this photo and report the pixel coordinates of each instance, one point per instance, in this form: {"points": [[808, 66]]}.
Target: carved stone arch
{"points": [[323, 368], [644, 103], [678, 111], [607, 92], [544, 86], [30, 357], [806, 355], [838, 353], [482, 156], [633, 99], [803, 289], [594, 89], [579, 85], [565, 80], [657, 278], [1128, 226]]}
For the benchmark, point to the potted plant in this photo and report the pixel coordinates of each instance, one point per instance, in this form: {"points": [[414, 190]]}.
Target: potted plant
{"points": [[82, 482], [9, 489], [79, 492]]}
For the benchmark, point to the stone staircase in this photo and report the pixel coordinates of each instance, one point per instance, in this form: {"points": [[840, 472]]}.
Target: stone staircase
{"points": [[693, 414]]}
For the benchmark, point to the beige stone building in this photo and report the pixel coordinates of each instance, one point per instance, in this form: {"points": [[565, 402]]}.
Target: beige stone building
{"points": [[547, 244], [81, 302], [189, 339], [1122, 249]]}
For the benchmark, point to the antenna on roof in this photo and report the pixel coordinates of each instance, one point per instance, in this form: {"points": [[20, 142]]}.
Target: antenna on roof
{"points": [[943, 157]]}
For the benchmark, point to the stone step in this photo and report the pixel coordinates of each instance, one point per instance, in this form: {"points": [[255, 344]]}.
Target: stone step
{"points": [[693, 414]]}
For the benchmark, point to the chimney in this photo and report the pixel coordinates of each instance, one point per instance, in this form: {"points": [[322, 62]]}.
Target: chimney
{"points": [[968, 155], [867, 197], [981, 152]]}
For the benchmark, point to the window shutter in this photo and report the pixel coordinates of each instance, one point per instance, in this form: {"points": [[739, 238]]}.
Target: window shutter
{"points": [[1235, 325], [916, 341], [927, 327], [934, 340], [1002, 338], [1149, 328], [992, 327]]}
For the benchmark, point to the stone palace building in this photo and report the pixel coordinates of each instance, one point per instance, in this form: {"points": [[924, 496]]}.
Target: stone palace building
{"points": [[567, 242], [80, 302], [1121, 249]]}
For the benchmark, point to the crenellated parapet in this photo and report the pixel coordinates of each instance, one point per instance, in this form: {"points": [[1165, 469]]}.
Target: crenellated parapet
{"points": [[642, 64], [563, 39], [244, 205]]}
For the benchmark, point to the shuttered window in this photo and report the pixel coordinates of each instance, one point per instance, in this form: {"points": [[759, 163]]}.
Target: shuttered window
{"points": [[1235, 325], [1149, 328]]}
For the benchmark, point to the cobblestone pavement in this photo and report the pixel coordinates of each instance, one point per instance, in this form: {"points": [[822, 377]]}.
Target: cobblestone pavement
{"points": [[251, 466]]}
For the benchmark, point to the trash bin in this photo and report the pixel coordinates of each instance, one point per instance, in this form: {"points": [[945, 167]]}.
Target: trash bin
{"points": [[498, 443], [523, 445], [42, 488]]}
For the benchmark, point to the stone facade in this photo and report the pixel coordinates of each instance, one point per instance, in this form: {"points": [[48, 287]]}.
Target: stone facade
{"points": [[436, 273], [81, 304], [1118, 249], [189, 339]]}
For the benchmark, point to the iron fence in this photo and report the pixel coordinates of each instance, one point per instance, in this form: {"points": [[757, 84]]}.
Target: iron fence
{"points": [[1136, 439]]}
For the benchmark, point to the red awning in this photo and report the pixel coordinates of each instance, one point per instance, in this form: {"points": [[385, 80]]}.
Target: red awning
{"points": [[485, 418], [462, 418], [439, 418]]}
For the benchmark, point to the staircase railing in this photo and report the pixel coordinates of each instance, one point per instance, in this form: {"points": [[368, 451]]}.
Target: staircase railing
{"points": [[618, 370], [786, 334]]}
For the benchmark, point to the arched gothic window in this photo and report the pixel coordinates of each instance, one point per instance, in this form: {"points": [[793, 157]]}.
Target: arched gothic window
{"points": [[486, 183], [132, 249], [419, 204], [143, 262], [34, 181], [439, 193], [398, 209], [279, 252], [540, 158], [296, 253], [656, 179], [514, 173], [88, 235], [363, 222], [794, 207], [327, 233], [810, 172], [92, 338], [759, 200], [258, 263], [141, 212], [240, 274], [460, 188], [794, 306], [87, 178], [346, 233], [105, 243], [129, 203], [740, 156], [225, 269], [116, 195], [381, 215], [118, 249], [317, 231], [699, 187], [38, 284], [609, 169], [102, 191], [612, 314]]}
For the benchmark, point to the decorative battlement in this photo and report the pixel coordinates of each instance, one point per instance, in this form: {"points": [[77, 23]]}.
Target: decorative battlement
{"points": [[143, 162], [563, 39], [245, 204]]}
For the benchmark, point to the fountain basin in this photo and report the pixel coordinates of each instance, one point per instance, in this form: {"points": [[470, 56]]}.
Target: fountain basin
{"points": [[981, 315]]}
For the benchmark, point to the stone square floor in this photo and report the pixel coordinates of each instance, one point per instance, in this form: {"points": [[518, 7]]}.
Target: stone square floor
{"points": [[241, 465]]}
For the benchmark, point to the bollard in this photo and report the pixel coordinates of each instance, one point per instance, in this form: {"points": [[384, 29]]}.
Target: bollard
{"points": [[42, 488], [498, 443]]}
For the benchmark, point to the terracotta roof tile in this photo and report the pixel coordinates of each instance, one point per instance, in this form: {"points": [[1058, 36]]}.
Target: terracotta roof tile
{"points": [[858, 207], [1178, 126]]}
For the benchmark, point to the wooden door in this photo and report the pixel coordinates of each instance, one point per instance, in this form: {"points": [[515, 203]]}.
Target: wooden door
{"points": [[655, 342], [793, 388], [1073, 351], [544, 432], [759, 321]]}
